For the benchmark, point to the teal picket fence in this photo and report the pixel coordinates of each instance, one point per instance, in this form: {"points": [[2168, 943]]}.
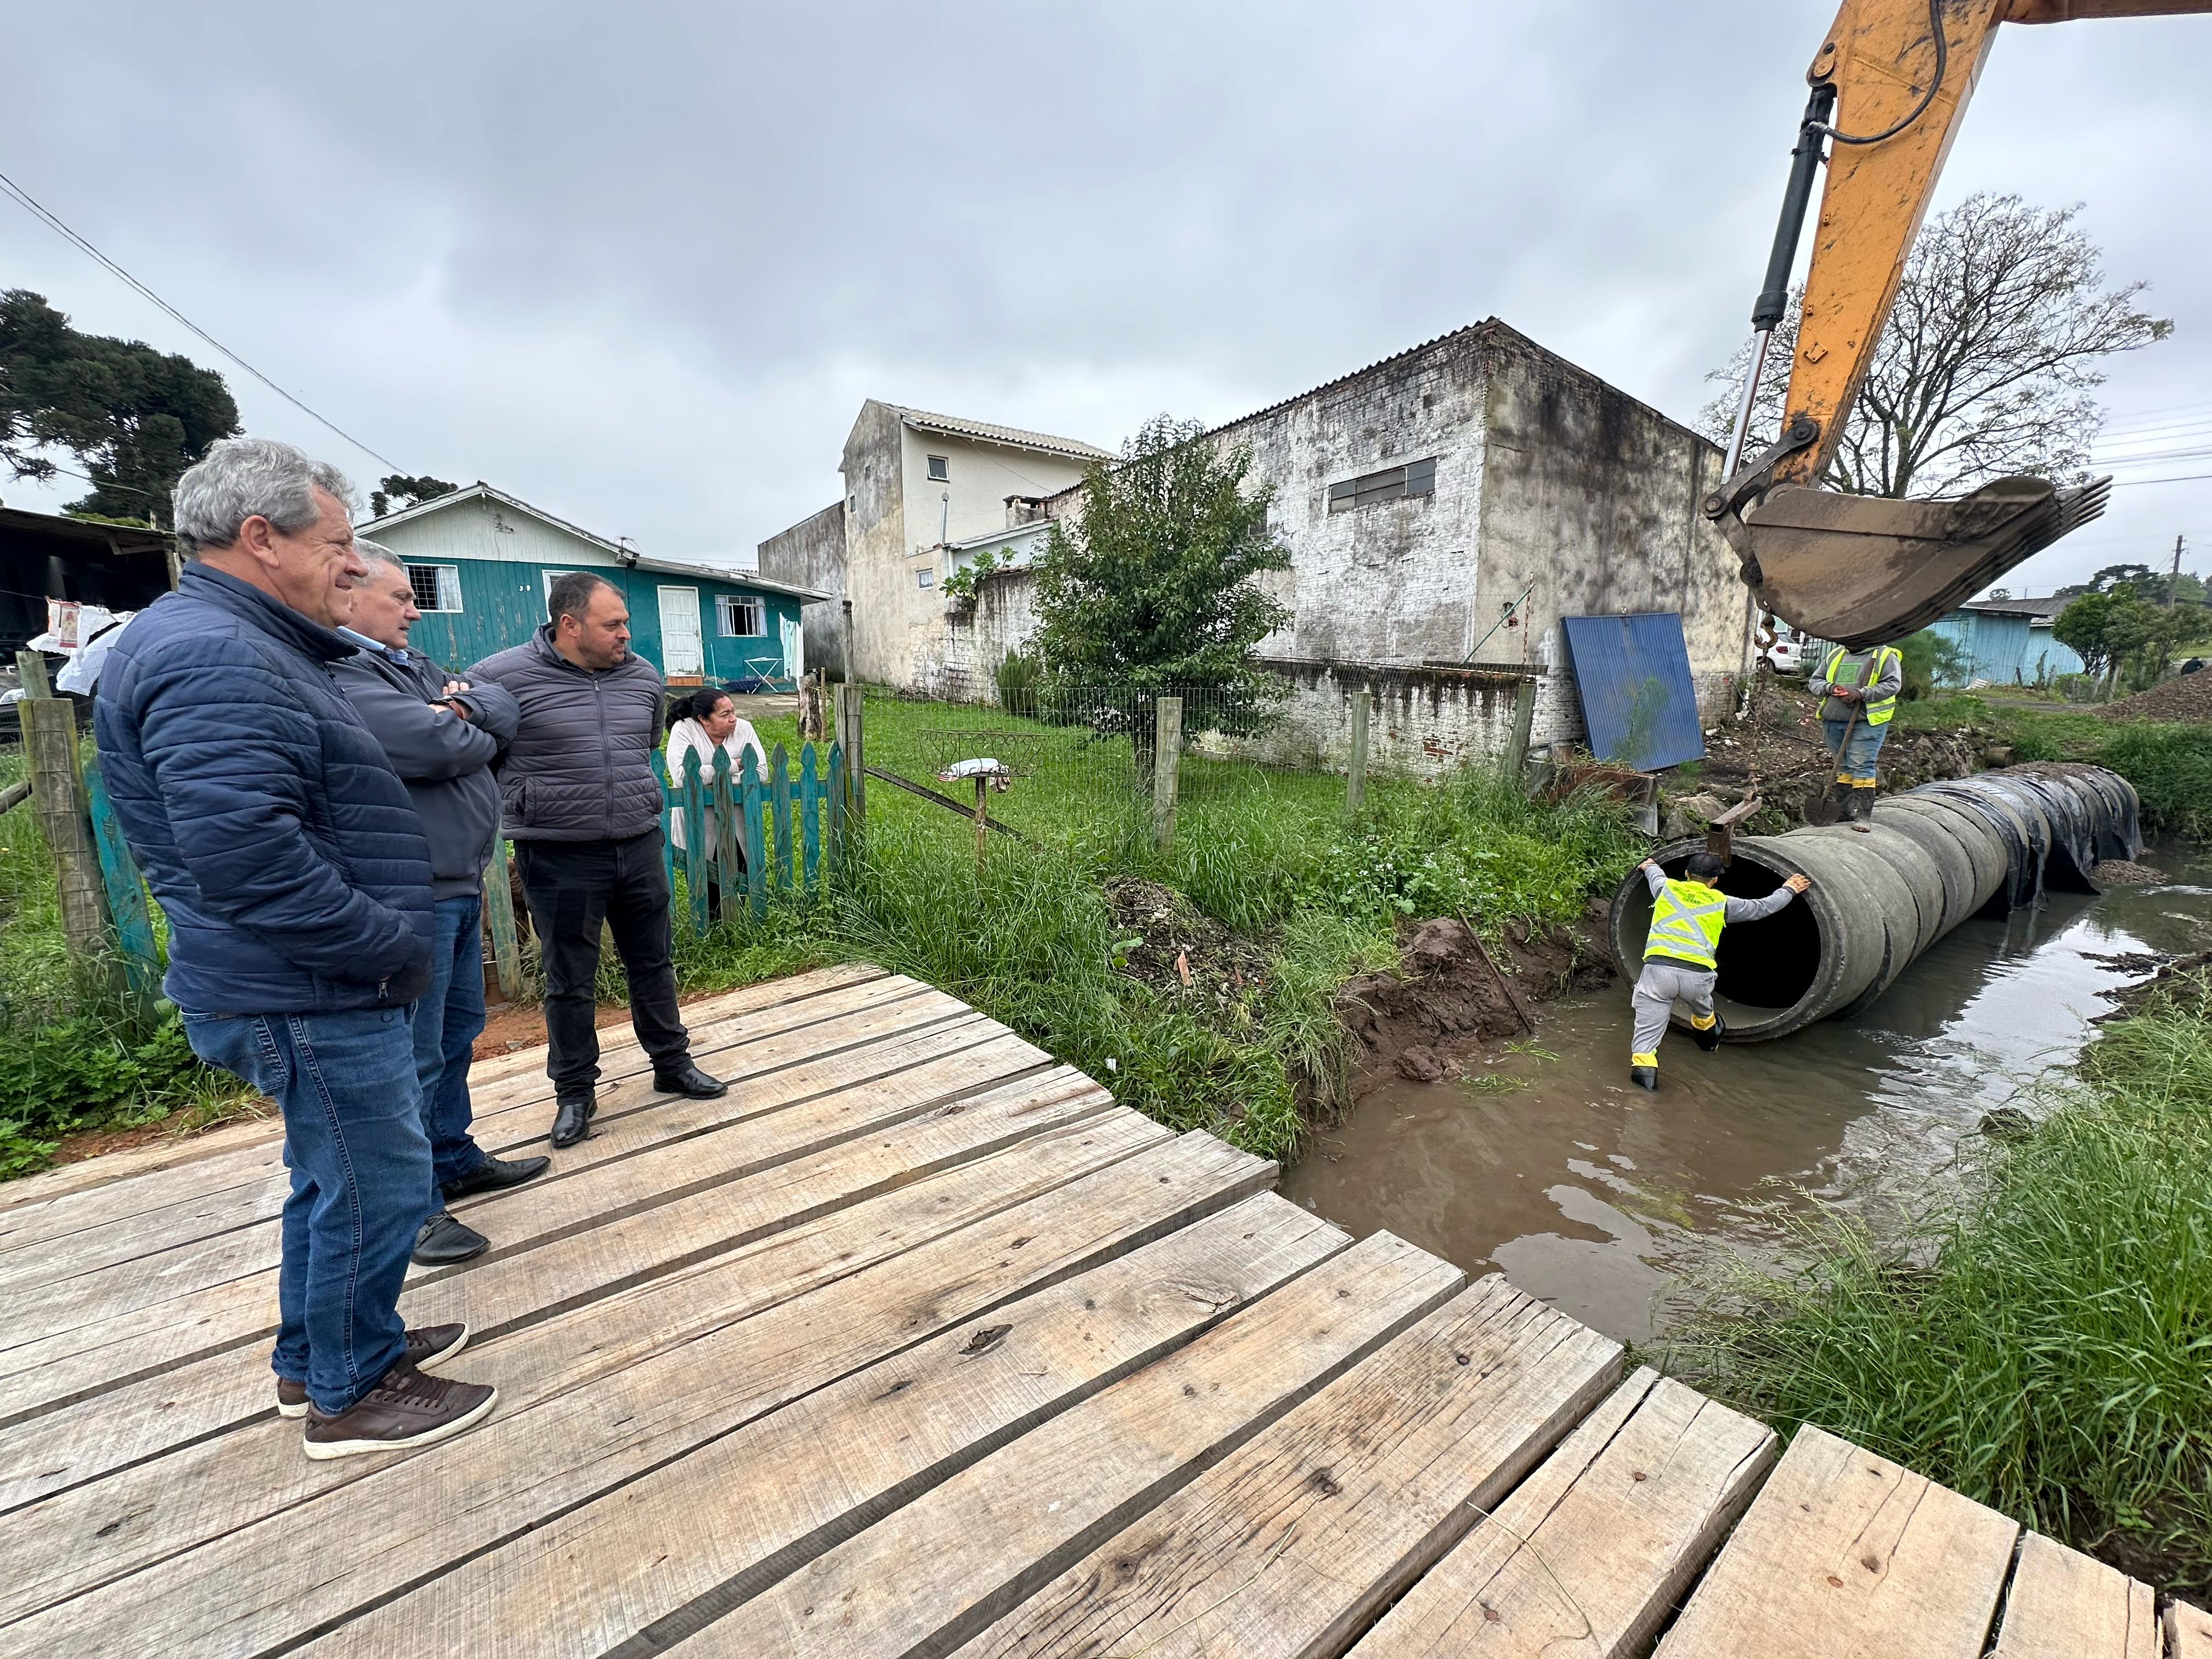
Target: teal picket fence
{"points": [[752, 824]]}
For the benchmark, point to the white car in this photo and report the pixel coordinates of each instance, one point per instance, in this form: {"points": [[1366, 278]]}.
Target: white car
{"points": [[1792, 653]]}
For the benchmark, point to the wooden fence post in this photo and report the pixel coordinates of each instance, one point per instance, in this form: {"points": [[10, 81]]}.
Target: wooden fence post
{"points": [[729, 801], [850, 708], [1355, 781], [499, 908], [58, 794], [1167, 762], [1524, 717], [31, 668]]}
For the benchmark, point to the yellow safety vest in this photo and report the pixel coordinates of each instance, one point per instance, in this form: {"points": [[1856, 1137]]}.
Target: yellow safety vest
{"points": [[1878, 711], [1687, 919]]}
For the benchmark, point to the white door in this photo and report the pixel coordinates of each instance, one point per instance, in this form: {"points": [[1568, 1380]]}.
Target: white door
{"points": [[681, 651], [795, 649]]}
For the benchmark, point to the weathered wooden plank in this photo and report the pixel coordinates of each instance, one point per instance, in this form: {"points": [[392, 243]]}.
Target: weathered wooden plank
{"points": [[2188, 1632], [130, 1182], [55, 1306], [1292, 1544], [598, 1416], [1843, 1551], [121, 1419], [2065, 1605], [699, 1532], [85, 1250], [969, 1549], [1590, 1553]]}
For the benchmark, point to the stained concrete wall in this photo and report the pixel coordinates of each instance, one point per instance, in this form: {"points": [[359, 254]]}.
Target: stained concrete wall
{"points": [[1392, 582], [876, 579], [811, 555], [1591, 498]]}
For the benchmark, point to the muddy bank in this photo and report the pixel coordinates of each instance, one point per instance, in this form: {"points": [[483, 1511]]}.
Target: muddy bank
{"points": [[1454, 996]]}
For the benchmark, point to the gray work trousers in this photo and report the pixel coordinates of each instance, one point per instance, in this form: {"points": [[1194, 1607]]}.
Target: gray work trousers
{"points": [[1662, 985]]}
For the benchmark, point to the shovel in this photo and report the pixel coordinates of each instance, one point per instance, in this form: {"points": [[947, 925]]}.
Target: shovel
{"points": [[1821, 810]]}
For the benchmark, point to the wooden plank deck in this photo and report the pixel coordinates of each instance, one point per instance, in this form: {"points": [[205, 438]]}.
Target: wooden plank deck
{"points": [[915, 1343]]}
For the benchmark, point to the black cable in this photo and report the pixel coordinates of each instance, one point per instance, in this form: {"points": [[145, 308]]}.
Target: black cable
{"points": [[1942, 55], [24, 197]]}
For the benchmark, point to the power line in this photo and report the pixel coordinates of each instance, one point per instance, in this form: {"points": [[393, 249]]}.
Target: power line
{"points": [[70, 236]]}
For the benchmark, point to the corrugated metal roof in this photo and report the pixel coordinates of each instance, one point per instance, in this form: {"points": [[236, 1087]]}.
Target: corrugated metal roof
{"points": [[953, 426], [2050, 606], [1633, 673]]}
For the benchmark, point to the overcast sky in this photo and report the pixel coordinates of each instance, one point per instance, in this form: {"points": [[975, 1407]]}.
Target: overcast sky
{"points": [[639, 264]]}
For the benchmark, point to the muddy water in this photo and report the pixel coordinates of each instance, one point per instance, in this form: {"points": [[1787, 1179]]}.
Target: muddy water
{"points": [[1595, 1196]]}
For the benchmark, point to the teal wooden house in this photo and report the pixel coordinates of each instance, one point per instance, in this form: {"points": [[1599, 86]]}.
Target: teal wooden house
{"points": [[482, 563]]}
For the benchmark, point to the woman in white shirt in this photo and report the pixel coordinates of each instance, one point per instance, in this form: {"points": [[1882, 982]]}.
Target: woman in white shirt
{"points": [[699, 724]]}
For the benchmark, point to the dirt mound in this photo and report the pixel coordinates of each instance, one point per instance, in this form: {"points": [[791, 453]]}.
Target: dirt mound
{"points": [[2189, 698], [2122, 873], [1453, 995], [1168, 942]]}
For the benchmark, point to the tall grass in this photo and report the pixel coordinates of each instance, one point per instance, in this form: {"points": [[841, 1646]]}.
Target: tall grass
{"points": [[2045, 1345]]}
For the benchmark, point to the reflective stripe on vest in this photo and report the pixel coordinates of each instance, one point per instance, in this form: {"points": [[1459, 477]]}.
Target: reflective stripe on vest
{"points": [[1878, 710], [1687, 919]]}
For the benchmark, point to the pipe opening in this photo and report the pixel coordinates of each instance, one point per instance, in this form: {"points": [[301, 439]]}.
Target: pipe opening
{"points": [[1763, 965]]}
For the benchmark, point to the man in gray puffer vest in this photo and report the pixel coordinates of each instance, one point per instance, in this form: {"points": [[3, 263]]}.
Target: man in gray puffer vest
{"points": [[442, 737], [582, 806]]}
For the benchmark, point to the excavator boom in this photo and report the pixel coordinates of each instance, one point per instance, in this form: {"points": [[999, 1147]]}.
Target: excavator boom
{"points": [[1891, 83]]}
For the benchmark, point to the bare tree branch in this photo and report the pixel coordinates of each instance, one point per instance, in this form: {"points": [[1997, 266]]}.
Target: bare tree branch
{"points": [[1988, 366]]}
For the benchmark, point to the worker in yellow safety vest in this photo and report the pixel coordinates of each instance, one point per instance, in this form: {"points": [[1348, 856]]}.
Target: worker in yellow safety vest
{"points": [[1871, 679], [1681, 954]]}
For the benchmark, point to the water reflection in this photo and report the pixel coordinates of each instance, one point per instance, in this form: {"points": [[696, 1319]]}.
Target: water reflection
{"points": [[1594, 1195]]}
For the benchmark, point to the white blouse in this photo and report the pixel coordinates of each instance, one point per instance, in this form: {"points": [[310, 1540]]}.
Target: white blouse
{"points": [[688, 736]]}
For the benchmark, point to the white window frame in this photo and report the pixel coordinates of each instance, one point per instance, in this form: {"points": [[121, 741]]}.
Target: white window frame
{"points": [[727, 603], [939, 468], [446, 579], [925, 575]]}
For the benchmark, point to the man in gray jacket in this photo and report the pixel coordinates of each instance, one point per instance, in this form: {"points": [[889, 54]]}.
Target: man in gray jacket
{"points": [[442, 737], [583, 808]]}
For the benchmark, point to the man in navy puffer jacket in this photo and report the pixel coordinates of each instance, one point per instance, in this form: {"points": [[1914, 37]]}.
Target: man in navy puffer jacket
{"points": [[296, 878]]}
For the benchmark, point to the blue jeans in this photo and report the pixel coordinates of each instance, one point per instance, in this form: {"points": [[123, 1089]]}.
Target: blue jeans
{"points": [[1856, 765], [361, 1184], [447, 1021]]}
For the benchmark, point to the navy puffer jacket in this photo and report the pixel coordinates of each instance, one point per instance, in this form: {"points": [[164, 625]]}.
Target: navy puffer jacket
{"points": [[288, 857]]}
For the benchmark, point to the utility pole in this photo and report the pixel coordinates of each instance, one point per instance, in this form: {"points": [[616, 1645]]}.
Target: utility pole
{"points": [[2173, 581]]}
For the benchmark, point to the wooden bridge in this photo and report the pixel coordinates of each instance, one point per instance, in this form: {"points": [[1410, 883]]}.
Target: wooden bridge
{"points": [[917, 1344]]}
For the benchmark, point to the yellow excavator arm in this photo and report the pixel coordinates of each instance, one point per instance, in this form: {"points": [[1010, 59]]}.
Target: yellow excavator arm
{"points": [[1890, 85]]}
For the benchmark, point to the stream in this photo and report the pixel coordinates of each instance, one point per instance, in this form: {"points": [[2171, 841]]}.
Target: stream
{"points": [[1550, 1166]]}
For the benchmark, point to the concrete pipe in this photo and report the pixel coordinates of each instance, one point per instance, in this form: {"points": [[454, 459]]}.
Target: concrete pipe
{"points": [[1883, 893]]}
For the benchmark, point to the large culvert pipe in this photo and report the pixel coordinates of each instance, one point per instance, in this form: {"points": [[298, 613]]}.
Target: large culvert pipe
{"points": [[1883, 893]]}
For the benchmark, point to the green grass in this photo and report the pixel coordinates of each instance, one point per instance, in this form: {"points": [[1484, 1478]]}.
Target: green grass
{"points": [[2169, 761], [2043, 1345], [1272, 854], [74, 1054]]}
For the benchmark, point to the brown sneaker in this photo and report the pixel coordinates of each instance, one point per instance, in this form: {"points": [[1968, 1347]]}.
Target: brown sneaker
{"points": [[431, 1346], [406, 1410]]}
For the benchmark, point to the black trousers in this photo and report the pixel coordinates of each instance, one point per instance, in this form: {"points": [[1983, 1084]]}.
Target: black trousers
{"points": [[572, 886]]}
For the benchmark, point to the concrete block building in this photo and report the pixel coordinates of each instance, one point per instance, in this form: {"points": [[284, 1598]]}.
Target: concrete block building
{"points": [[1444, 508]]}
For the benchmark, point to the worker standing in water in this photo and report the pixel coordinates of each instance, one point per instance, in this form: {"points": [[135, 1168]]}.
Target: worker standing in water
{"points": [[1679, 960], [1870, 680]]}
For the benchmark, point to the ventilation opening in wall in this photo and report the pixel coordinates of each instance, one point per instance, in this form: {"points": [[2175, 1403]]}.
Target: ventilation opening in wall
{"points": [[1391, 484]]}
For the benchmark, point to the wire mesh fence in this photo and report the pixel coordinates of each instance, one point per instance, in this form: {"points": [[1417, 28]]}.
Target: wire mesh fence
{"points": [[1084, 761]]}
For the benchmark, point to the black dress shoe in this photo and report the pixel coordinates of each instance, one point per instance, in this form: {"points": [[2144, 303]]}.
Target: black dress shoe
{"points": [[444, 1240], [688, 1079], [493, 1174], [572, 1119]]}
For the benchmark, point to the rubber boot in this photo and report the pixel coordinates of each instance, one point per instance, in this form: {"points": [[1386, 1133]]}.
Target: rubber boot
{"points": [[1862, 796], [1710, 1038], [1843, 793], [1645, 1077]]}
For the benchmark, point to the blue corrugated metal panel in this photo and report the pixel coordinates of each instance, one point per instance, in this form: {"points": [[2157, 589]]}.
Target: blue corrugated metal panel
{"points": [[1633, 674]]}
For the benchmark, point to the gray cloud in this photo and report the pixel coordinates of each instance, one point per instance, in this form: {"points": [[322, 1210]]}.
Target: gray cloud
{"points": [[640, 264]]}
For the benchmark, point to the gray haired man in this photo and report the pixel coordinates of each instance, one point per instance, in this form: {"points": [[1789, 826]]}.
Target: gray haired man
{"points": [[296, 879], [443, 736]]}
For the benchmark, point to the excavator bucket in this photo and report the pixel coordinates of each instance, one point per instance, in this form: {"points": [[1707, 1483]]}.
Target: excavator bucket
{"points": [[1866, 569]]}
